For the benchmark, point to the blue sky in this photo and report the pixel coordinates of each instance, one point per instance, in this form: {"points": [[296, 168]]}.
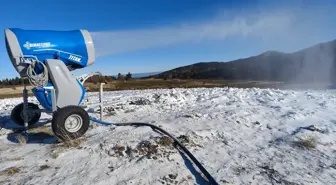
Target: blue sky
{"points": [[156, 35]]}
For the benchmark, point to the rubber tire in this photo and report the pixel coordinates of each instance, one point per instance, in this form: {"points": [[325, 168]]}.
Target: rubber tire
{"points": [[16, 114], [58, 123]]}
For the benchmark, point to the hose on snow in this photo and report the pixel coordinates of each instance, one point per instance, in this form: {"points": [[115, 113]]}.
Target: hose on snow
{"points": [[177, 142]]}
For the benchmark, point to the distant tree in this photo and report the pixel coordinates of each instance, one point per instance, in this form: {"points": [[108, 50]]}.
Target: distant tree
{"points": [[13, 81], [109, 78], [17, 81], [121, 77], [112, 78], [102, 79], [26, 81], [128, 76], [106, 79], [94, 79]]}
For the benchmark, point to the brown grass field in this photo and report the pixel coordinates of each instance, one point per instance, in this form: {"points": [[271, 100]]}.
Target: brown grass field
{"points": [[139, 84]]}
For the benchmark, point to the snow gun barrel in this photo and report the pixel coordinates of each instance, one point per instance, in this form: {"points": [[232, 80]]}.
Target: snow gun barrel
{"points": [[75, 48]]}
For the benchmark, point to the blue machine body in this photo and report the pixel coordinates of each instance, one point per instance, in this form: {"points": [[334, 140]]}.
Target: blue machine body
{"points": [[44, 95], [74, 48], [68, 46]]}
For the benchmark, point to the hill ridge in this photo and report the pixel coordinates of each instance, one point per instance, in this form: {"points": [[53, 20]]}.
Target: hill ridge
{"points": [[316, 63]]}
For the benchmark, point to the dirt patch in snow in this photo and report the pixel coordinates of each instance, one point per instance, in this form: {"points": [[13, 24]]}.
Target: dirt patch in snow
{"points": [[11, 171], [154, 148]]}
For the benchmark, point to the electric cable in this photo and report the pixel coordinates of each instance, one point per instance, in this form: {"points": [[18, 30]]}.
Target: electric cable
{"points": [[37, 80]]}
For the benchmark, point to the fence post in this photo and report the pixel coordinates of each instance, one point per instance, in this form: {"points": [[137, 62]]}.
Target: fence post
{"points": [[101, 100]]}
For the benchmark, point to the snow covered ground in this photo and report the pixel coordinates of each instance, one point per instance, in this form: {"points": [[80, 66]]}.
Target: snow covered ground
{"points": [[241, 136]]}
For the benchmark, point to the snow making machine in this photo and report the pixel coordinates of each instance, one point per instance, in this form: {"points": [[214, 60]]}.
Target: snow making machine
{"points": [[46, 59]]}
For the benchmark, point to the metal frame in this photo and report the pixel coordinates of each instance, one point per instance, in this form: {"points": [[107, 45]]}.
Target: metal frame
{"points": [[83, 78], [26, 110]]}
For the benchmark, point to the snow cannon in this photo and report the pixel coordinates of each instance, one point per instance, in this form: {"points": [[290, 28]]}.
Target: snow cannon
{"points": [[46, 58], [74, 48]]}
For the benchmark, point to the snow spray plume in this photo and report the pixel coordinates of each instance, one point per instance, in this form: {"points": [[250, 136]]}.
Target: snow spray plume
{"points": [[285, 29], [114, 42], [317, 66], [313, 67]]}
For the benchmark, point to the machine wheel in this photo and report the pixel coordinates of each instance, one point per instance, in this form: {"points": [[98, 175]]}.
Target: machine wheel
{"points": [[33, 117], [70, 122]]}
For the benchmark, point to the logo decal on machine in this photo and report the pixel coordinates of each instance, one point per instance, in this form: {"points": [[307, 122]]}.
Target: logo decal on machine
{"points": [[77, 59], [29, 45]]}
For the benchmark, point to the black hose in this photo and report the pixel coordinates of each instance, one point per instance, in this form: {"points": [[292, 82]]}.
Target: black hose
{"points": [[177, 142]]}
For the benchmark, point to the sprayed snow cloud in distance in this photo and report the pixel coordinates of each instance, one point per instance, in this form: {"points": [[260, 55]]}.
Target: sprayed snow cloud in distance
{"points": [[286, 28], [114, 42]]}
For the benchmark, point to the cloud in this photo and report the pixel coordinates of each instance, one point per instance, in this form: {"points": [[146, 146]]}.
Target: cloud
{"points": [[114, 42]]}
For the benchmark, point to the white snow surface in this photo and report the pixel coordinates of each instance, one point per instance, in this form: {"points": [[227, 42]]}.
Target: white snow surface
{"points": [[241, 136]]}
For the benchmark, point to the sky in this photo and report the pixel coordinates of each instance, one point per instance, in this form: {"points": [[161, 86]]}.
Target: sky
{"points": [[151, 35]]}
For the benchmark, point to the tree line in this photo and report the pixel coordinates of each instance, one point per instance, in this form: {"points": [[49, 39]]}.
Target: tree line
{"points": [[94, 79], [13, 82], [100, 79]]}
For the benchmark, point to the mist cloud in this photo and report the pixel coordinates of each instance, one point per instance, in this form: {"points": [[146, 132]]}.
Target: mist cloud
{"points": [[114, 42], [286, 28]]}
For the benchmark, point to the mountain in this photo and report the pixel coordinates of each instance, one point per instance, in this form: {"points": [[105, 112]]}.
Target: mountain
{"points": [[141, 75], [315, 64]]}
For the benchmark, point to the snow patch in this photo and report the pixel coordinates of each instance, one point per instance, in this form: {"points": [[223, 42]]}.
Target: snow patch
{"points": [[241, 136]]}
